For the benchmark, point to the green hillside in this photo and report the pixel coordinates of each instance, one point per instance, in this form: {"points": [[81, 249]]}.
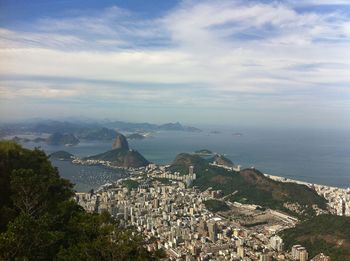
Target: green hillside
{"points": [[250, 186], [325, 233]]}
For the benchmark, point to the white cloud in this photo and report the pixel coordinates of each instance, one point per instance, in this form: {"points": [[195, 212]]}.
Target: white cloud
{"points": [[232, 49]]}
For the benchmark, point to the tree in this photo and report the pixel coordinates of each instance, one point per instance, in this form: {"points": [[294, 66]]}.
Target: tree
{"points": [[40, 221]]}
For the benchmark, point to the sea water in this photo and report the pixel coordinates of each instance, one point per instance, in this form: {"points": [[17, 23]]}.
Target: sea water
{"points": [[316, 156]]}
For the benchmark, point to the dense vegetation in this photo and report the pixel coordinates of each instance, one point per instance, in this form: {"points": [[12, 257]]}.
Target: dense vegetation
{"points": [[216, 205], [325, 233], [40, 221], [61, 155], [249, 185], [130, 184]]}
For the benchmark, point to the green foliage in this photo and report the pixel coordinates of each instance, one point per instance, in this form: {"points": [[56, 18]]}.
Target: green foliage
{"points": [[130, 184], [40, 221], [252, 187], [325, 233], [184, 160], [63, 155], [216, 205]]}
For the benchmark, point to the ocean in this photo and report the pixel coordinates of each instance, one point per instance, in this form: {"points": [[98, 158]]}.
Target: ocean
{"points": [[316, 156]]}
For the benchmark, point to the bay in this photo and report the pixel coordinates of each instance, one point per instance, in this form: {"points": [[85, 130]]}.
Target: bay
{"points": [[316, 156]]}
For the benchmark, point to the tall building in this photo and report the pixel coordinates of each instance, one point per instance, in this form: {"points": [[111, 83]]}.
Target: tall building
{"points": [[303, 255], [299, 253], [240, 251], [213, 231], [190, 170], [276, 243]]}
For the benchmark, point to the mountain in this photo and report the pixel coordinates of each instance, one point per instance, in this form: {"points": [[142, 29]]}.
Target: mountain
{"points": [[250, 186], [183, 161], [61, 155], [120, 142], [121, 155], [97, 134], [324, 233], [130, 126], [122, 158], [62, 139], [177, 127]]}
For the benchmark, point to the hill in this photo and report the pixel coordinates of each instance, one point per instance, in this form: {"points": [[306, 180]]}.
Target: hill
{"points": [[184, 160], [40, 221], [61, 155], [251, 186], [122, 158], [222, 160], [325, 233], [58, 138]]}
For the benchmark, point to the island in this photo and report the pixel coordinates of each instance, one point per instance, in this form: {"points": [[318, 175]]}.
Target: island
{"points": [[120, 155], [204, 152], [61, 155]]}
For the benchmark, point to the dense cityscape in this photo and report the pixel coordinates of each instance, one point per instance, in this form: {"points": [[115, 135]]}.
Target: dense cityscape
{"points": [[166, 208]]}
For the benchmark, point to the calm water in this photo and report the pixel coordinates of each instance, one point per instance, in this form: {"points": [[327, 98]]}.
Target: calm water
{"points": [[315, 156]]}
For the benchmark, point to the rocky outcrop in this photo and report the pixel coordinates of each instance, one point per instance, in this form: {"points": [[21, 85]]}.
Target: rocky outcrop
{"points": [[120, 142]]}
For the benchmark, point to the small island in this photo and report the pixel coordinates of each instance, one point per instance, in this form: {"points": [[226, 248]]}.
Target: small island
{"points": [[61, 155], [204, 152]]}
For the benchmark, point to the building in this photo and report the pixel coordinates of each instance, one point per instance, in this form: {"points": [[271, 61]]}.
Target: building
{"points": [[240, 251], [321, 257], [276, 243], [299, 253], [213, 231]]}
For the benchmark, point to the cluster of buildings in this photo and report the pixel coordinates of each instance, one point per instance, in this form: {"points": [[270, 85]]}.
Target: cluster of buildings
{"points": [[338, 198], [174, 217], [164, 174]]}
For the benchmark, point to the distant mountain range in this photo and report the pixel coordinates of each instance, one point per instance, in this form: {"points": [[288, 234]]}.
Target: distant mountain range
{"points": [[89, 130]]}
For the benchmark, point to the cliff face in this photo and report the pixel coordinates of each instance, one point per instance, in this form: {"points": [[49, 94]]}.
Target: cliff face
{"points": [[120, 142]]}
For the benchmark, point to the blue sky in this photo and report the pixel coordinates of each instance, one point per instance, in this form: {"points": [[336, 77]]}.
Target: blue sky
{"points": [[279, 63]]}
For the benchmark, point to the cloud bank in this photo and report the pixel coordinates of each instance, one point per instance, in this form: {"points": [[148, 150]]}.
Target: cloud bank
{"points": [[246, 59]]}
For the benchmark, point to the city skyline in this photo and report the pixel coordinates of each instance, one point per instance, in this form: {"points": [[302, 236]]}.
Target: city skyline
{"points": [[256, 63]]}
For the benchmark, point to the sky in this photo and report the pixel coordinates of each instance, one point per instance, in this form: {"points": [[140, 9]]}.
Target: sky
{"points": [[257, 63]]}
